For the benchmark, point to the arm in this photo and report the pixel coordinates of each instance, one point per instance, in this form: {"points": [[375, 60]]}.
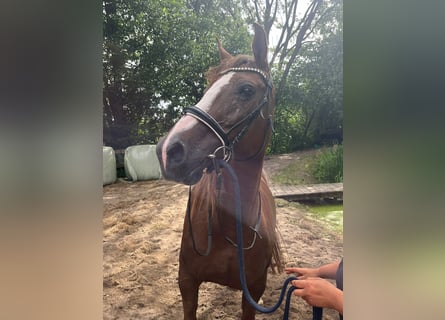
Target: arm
{"points": [[328, 270], [325, 271]]}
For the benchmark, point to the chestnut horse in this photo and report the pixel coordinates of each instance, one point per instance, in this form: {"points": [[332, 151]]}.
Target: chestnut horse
{"points": [[232, 121]]}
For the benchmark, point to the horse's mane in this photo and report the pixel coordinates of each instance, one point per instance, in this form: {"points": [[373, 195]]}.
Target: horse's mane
{"points": [[206, 189]]}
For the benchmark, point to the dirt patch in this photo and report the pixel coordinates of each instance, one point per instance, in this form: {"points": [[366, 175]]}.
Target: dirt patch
{"points": [[142, 232], [292, 168]]}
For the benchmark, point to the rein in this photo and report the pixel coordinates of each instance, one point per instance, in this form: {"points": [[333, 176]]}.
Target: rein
{"points": [[317, 312]]}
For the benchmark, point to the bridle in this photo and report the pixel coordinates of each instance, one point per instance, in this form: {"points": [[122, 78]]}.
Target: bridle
{"points": [[227, 145], [227, 148]]}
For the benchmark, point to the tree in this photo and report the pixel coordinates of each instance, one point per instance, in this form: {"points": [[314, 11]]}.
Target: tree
{"points": [[294, 29], [313, 95], [307, 67], [155, 54]]}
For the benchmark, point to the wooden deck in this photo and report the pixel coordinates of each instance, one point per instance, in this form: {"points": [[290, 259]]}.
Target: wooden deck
{"points": [[308, 192]]}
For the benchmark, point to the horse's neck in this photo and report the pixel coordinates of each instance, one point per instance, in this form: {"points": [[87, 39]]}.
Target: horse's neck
{"points": [[206, 194], [249, 177]]}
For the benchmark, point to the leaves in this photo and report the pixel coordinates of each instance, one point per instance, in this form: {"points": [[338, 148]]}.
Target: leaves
{"points": [[313, 88], [155, 53]]}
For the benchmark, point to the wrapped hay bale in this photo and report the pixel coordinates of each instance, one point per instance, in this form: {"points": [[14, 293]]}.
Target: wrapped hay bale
{"points": [[108, 166], [141, 163]]}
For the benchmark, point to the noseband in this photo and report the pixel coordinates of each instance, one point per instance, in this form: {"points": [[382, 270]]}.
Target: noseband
{"points": [[227, 146]]}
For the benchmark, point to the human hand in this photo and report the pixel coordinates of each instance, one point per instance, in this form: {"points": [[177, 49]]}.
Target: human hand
{"points": [[319, 292], [303, 273]]}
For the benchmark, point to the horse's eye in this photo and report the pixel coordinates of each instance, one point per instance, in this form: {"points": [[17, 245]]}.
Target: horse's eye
{"points": [[246, 91]]}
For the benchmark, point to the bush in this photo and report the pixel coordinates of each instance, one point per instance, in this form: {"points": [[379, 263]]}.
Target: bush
{"points": [[329, 165]]}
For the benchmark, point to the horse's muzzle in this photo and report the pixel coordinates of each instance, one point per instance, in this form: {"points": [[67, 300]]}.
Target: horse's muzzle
{"points": [[179, 163]]}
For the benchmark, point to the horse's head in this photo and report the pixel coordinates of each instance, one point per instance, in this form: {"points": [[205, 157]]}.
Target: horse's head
{"points": [[233, 119]]}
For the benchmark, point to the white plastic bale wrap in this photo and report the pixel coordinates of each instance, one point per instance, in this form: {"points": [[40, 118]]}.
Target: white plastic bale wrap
{"points": [[108, 166], [141, 163]]}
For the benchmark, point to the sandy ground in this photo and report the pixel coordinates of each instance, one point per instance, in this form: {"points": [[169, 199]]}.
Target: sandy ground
{"points": [[142, 224]]}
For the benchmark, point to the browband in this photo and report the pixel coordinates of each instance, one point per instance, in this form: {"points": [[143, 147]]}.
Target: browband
{"points": [[248, 69]]}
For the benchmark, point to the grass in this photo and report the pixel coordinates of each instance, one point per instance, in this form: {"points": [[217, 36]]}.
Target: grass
{"points": [[332, 214], [301, 171]]}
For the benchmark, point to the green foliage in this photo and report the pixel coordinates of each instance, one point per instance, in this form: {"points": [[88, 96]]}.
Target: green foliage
{"points": [[309, 111], [155, 54], [329, 165]]}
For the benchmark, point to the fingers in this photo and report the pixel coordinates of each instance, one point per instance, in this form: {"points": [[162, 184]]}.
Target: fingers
{"points": [[290, 270], [299, 284], [309, 283], [306, 289], [318, 292], [306, 272], [297, 271]]}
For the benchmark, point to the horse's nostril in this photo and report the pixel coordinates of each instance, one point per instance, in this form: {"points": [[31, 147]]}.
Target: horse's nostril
{"points": [[176, 153]]}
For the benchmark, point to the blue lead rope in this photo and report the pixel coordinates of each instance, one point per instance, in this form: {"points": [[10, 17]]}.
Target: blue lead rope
{"points": [[317, 312]]}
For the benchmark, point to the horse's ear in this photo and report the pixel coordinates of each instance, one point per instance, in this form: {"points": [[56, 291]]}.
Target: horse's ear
{"points": [[259, 47], [223, 54]]}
